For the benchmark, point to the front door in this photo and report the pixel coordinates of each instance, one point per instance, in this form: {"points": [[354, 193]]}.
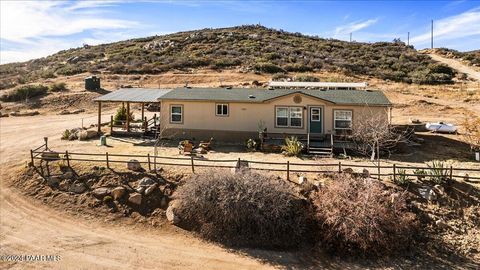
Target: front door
{"points": [[315, 125]]}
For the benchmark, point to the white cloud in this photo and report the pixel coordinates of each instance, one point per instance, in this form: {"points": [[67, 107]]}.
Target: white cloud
{"points": [[464, 25], [354, 26], [38, 28]]}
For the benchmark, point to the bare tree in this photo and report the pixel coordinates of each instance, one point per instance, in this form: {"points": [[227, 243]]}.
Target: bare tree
{"points": [[372, 133]]}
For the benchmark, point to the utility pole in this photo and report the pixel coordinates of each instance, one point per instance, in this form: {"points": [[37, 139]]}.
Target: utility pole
{"points": [[432, 35], [350, 37], [408, 39]]}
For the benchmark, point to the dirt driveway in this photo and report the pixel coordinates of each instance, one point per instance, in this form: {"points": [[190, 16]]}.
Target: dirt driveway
{"points": [[457, 65]]}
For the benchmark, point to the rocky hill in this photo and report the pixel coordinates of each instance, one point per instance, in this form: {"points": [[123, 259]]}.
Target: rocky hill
{"points": [[249, 48]]}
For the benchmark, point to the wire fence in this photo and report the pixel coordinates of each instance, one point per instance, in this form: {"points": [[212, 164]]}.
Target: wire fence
{"points": [[153, 161]]}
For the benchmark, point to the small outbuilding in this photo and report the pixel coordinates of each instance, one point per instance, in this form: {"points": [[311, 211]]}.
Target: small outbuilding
{"points": [[92, 83]]}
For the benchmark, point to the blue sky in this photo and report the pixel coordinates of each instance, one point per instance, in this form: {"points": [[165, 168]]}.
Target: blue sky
{"points": [[32, 29]]}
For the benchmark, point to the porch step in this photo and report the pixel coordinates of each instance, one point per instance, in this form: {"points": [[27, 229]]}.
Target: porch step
{"points": [[320, 151]]}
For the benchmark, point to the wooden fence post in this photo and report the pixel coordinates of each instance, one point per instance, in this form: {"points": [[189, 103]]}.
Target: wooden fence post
{"points": [[288, 170], [193, 166], [108, 163], [68, 158], [394, 172], [379, 171], [238, 163], [451, 172], [48, 168], [149, 166], [111, 124], [31, 156], [339, 167]]}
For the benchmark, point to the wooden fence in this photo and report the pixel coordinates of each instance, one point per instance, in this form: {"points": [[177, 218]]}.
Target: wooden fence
{"points": [[43, 153]]}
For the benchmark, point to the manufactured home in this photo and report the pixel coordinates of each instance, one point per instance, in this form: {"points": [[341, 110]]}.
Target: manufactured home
{"points": [[235, 114]]}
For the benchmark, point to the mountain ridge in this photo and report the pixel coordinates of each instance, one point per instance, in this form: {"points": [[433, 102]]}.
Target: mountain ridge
{"points": [[248, 48]]}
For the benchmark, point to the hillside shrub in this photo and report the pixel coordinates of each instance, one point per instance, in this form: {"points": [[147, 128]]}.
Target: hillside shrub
{"points": [[359, 216], [243, 209], [306, 78], [69, 70], [297, 68], [24, 92], [58, 87], [268, 68]]}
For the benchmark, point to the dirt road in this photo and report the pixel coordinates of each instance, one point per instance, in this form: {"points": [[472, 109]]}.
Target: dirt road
{"points": [[29, 228], [457, 65]]}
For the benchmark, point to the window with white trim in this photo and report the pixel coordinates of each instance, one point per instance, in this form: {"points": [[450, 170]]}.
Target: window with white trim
{"points": [[289, 117], [342, 119], [222, 110], [176, 114]]}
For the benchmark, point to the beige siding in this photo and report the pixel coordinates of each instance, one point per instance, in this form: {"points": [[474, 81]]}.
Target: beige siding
{"points": [[245, 117]]}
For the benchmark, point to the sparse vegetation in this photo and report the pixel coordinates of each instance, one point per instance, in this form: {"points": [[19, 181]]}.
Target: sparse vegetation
{"points": [[243, 209], [361, 216], [25, 92]]}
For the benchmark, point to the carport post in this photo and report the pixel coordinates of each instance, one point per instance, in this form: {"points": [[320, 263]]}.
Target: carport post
{"points": [[99, 117], [128, 116], [143, 110]]}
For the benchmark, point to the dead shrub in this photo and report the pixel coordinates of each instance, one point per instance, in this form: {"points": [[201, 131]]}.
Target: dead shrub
{"points": [[243, 209], [359, 216]]}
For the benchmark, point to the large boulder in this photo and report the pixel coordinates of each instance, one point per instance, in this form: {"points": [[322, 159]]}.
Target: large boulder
{"points": [[101, 192], [84, 135], [28, 113], [118, 193], [77, 188], [171, 215], [146, 182], [150, 189], [53, 180], [134, 165], [64, 185], [135, 198]]}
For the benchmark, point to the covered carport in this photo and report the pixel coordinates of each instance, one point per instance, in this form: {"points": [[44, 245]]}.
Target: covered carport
{"points": [[127, 96]]}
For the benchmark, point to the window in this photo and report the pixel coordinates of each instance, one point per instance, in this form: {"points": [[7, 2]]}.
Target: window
{"points": [[222, 110], [289, 117], [342, 119], [296, 116], [176, 113], [282, 117], [315, 114]]}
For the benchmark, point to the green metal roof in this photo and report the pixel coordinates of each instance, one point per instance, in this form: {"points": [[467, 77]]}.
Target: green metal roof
{"points": [[351, 97]]}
